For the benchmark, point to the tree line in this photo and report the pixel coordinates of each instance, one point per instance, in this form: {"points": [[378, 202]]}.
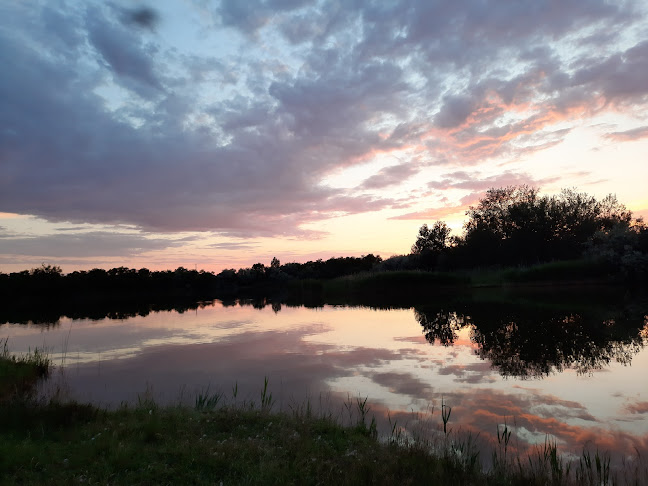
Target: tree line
{"points": [[510, 226], [517, 226], [50, 281]]}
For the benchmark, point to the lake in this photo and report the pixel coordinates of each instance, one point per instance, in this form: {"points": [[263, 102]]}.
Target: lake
{"points": [[563, 366]]}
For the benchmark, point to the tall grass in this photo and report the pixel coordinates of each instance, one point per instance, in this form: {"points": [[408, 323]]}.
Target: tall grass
{"points": [[224, 438], [560, 271], [19, 373]]}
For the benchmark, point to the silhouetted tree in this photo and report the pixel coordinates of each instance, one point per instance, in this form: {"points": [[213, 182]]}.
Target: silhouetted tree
{"points": [[514, 224], [433, 239]]}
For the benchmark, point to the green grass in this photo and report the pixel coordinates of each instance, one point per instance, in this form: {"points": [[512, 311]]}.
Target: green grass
{"points": [[221, 440], [70, 443], [19, 374]]}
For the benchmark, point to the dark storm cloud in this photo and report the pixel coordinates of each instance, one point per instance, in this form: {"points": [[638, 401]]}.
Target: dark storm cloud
{"points": [[105, 123]]}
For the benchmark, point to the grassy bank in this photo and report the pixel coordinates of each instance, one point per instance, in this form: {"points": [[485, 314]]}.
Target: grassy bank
{"points": [[61, 444], [217, 441], [418, 285], [71, 443], [19, 374]]}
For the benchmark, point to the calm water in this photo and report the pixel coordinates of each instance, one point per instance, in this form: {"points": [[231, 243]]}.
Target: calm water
{"points": [[576, 373]]}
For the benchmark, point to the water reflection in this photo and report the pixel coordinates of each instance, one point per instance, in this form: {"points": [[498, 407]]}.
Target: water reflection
{"points": [[519, 338], [469, 349], [49, 314], [530, 342], [440, 325]]}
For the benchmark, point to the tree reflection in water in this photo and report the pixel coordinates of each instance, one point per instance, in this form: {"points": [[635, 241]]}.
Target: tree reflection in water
{"points": [[533, 343], [523, 338], [441, 325]]}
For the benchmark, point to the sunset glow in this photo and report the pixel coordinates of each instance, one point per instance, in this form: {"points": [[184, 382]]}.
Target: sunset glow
{"points": [[215, 135]]}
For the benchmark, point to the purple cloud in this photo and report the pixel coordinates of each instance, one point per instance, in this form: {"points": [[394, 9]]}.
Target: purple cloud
{"points": [[628, 135], [106, 123], [87, 244], [477, 185]]}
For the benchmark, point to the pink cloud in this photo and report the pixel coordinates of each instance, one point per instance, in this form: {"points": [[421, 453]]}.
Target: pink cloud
{"points": [[638, 408]]}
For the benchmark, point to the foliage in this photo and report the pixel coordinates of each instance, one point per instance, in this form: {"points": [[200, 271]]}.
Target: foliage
{"points": [[433, 239], [19, 374], [623, 248], [516, 225], [513, 228]]}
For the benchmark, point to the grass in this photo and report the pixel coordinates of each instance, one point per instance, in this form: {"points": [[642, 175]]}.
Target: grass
{"points": [[146, 444], [371, 288], [414, 284], [576, 271], [226, 440], [19, 374]]}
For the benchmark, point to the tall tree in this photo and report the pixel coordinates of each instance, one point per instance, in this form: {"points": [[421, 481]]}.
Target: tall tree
{"points": [[433, 239]]}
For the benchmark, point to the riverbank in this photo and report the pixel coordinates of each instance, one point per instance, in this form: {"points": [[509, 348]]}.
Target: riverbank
{"points": [[379, 288], [417, 286], [219, 440], [71, 443]]}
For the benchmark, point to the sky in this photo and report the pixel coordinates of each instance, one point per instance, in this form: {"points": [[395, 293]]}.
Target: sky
{"points": [[215, 135]]}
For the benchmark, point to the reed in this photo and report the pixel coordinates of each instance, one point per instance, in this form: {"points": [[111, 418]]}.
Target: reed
{"points": [[19, 373], [224, 439]]}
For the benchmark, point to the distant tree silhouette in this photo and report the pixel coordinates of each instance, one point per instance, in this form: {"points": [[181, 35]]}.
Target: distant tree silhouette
{"points": [[516, 225], [433, 239]]}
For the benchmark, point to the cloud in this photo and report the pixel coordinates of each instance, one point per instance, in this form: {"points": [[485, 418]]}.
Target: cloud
{"points": [[389, 176], [146, 17], [244, 360], [106, 123], [639, 408], [251, 15], [454, 111], [233, 246], [171, 178], [123, 51], [473, 373], [437, 213], [629, 135], [402, 384], [80, 245], [477, 184]]}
